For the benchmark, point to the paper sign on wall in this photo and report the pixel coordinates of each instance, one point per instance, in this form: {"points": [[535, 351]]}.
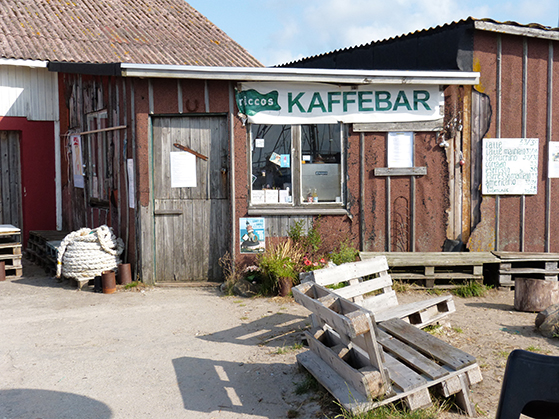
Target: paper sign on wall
{"points": [[131, 187], [183, 170], [553, 168], [400, 149], [510, 166], [252, 235], [77, 161]]}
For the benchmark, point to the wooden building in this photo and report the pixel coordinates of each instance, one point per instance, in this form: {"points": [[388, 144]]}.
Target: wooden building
{"points": [[382, 142], [28, 128], [140, 116], [516, 98]]}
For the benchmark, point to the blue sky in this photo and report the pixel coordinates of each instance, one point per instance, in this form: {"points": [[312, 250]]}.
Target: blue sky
{"points": [[280, 31]]}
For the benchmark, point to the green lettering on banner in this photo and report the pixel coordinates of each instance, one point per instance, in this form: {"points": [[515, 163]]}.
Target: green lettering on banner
{"points": [[331, 100], [316, 102], [250, 102], [362, 101], [382, 103], [291, 102], [425, 96], [402, 100], [347, 100]]}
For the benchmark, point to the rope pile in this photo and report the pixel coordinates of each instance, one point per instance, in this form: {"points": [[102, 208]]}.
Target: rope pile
{"points": [[86, 253]]}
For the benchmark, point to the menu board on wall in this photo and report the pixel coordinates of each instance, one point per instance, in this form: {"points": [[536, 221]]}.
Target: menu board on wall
{"points": [[510, 166], [553, 164]]}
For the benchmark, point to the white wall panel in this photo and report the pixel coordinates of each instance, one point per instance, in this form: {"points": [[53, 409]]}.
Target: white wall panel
{"points": [[28, 92]]}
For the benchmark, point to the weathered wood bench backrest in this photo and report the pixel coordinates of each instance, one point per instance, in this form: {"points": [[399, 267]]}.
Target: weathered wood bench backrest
{"points": [[364, 277]]}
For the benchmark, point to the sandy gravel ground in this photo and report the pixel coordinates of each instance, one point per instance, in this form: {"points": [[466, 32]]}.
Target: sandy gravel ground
{"points": [[193, 353]]}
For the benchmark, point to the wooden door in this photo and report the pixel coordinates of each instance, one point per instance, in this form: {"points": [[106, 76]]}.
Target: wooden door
{"points": [[192, 224], [10, 179]]}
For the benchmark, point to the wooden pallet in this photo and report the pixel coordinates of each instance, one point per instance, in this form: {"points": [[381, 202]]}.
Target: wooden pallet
{"points": [[42, 248], [436, 269], [526, 265], [365, 366], [10, 250], [368, 284]]}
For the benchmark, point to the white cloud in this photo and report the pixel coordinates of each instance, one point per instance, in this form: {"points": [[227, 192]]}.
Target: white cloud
{"points": [[319, 26]]}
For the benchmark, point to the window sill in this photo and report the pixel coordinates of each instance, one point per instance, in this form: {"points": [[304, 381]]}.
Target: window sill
{"points": [[310, 209]]}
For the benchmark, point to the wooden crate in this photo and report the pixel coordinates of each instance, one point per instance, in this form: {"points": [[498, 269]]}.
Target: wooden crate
{"points": [[525, 265], [10, 250], [436, 269]]}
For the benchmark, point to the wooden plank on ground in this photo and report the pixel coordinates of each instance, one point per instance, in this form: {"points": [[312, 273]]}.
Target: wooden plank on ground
{"points": [[427, 344], [367, 381], [403, 378], [346, 394], [411, 357]]}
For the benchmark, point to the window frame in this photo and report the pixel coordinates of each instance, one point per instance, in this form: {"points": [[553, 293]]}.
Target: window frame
{"points": [[298, 204]]}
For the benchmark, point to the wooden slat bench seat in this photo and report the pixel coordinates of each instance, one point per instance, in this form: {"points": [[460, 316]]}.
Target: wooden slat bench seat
{"points": [[433, 268], [368, 284], [365, 364], [526, 264]]}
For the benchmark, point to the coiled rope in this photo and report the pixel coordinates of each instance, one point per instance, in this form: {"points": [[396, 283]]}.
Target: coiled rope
{"points": [[86, 253]]}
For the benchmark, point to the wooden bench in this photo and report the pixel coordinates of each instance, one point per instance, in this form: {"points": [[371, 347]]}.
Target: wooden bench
{"points": [[440, 269], [526, 264], [369, 285], [365, 364]]}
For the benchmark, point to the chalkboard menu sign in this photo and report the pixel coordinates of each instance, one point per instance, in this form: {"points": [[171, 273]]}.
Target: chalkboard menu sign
{"points": [[510, 166]]}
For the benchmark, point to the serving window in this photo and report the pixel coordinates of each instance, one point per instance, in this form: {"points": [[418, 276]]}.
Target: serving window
{"points": [[297, 165]]}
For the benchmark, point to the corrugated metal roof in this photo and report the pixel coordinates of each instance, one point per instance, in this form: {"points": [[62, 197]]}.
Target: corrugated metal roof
{"points": [[109, 31], [514, 28]]}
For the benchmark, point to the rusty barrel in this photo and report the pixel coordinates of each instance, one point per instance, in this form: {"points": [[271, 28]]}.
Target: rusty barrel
{"points": [[108, 281], [124, 274]]}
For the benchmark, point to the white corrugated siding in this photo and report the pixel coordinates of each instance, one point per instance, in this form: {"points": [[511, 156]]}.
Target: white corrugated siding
{"points": [[28, 92]]}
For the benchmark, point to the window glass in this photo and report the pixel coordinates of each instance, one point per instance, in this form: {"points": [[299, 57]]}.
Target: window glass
{"points": [[321, 163], [271, 164]]}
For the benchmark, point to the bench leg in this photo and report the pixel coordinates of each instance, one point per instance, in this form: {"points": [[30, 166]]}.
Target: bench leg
{"points": [[418, 400], [463, 397]]}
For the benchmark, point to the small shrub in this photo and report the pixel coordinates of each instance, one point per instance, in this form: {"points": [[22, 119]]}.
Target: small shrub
{"points": [[309, 384], [279, 261], [345, 253], [296, 231], [230, 272], [471, 289]]}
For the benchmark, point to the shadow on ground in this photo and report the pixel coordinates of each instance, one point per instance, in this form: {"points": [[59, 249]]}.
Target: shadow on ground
{"points": [[276, 330], [207, 385], [31, 403]]}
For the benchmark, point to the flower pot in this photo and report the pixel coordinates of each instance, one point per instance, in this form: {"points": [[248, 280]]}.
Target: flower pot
{"points": [[284, 286]]}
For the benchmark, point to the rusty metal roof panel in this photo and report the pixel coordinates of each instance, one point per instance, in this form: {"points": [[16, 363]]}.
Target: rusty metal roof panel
{"points": [[509, 27], [107, 31]]}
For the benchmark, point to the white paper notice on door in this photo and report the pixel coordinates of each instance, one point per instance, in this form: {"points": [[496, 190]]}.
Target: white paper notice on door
{"points": [[183, 170]]}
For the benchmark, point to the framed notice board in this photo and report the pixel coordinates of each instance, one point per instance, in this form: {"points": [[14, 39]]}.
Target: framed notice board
{"points": [[510, 166]]}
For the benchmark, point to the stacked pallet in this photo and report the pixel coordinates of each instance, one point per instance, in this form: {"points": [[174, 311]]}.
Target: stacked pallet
{"points": [[440, 269], [526, 265], [10, 250], [42, 248]]}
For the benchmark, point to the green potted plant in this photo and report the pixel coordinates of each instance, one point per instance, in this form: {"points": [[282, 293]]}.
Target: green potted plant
{"points": [[277, 265]]}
